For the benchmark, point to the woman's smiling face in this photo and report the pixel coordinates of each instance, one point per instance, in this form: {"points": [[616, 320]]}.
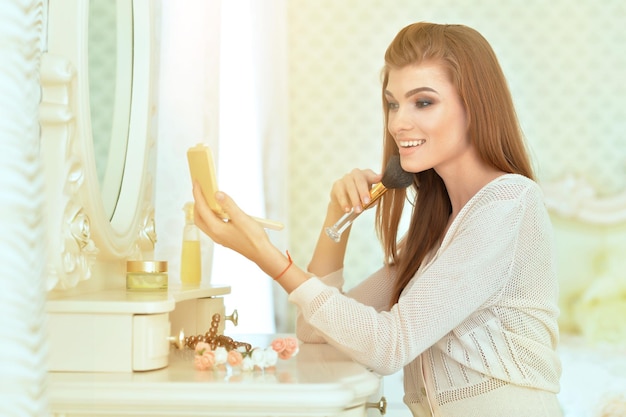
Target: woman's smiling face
{"points": [[426, 117]]}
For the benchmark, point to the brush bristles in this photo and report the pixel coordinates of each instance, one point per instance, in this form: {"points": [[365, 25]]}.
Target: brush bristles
{"points": [[394, 176]]}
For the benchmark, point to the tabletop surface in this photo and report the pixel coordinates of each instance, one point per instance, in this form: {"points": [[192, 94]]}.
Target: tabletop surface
{"points": [[319, 377]]}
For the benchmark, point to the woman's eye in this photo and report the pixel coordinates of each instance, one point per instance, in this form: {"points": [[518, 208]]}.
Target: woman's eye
{"points": [[392, 106], [423, 103]]}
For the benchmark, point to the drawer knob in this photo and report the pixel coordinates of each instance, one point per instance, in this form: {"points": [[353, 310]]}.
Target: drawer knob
{"points": [[381, 406], [233, 317], [179, 341]]}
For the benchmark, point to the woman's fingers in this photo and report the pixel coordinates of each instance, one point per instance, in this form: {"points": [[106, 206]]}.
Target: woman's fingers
{"points": [[239, 219], [364, 187], [352, 191], [240, 233], [204, 217]]}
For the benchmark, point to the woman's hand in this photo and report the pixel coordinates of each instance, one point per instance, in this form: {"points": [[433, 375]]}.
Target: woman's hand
{"points": [[240, 233], [352, 191], [246, 236]]}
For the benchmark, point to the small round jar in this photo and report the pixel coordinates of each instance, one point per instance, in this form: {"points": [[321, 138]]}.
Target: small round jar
{"points": [[146, 275]]}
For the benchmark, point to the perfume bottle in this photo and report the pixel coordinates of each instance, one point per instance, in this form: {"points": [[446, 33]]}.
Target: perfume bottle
{"points": [[190, 259]]}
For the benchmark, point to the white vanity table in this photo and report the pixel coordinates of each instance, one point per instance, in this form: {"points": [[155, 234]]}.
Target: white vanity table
{"points": [[112, 353], [318, 381]]}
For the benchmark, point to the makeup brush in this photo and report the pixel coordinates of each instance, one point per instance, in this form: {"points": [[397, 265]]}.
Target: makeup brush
{"points": [[393, 177]]}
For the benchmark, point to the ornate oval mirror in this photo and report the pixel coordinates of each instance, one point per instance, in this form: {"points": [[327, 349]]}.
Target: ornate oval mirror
{"points": [[98, 135]]}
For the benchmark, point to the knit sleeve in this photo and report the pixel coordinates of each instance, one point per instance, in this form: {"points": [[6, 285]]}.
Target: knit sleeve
{"points": [[374, 291], [305, 331], [470, 268]]}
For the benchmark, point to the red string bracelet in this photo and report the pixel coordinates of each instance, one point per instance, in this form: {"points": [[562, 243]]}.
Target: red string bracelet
{"points": [[286, 268]]}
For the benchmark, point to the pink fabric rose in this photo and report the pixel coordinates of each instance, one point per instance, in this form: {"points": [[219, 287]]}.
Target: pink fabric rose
{"points": [[204, 361], [285, 347], [291, 345], [279, 344], [234, 358]]}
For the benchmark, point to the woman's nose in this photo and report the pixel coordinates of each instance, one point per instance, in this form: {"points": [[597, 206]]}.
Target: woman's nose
{"points": [[398, 121]]}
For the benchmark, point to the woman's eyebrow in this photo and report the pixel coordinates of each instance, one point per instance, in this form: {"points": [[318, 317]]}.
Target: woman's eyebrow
{"points": [[412, 92], [418, 90]]}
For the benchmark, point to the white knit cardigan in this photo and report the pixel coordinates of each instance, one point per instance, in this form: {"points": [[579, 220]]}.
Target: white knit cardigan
{"points": [[480, 313]]}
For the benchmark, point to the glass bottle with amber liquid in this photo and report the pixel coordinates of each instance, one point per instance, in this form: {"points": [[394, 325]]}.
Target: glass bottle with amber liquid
{"points": [[190, 259]]}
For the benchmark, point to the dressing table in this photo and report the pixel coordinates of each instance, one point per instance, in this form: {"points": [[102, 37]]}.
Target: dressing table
{"points": [[318, 381], [111, 351]]}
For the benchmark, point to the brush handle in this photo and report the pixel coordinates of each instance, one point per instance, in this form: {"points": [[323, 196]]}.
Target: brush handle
{"points": [[269, 224], [336, 230]]}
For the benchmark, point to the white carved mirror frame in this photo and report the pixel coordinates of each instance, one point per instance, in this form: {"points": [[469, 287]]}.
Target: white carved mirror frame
{"points": [[85, 242]]}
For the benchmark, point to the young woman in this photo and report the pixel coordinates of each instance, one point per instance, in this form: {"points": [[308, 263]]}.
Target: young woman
{"points": [[467, 300]]}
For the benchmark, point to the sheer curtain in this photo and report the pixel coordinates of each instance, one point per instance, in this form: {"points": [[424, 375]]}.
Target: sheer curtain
{"points": [[252, 135], [23, 335], [223, 83]]}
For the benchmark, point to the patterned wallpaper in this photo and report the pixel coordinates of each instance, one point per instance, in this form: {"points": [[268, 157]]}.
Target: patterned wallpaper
{"points": [[564, 65]]}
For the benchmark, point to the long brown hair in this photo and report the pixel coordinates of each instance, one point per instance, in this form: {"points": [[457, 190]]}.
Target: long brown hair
{"points": [[493, 129]]}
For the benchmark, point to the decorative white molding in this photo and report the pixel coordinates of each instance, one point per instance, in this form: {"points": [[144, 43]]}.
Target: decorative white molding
{"points": [[147, 233], [573, 197], [72, 251]]}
